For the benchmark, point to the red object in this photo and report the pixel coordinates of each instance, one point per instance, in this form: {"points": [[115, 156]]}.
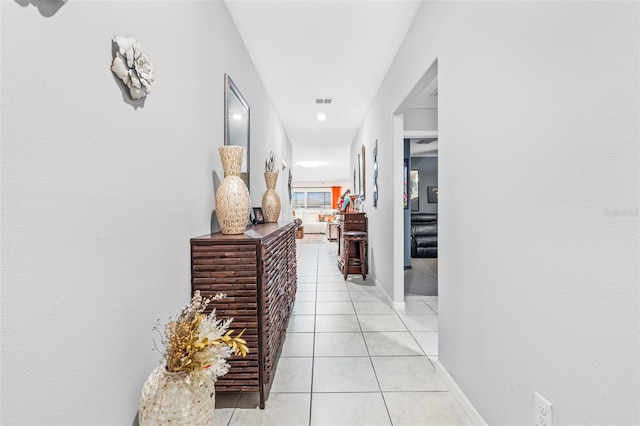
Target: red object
{"points": [[335, 195]]}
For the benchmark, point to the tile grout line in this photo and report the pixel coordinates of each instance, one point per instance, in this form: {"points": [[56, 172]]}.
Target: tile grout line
{"points": [[373, 367], [313, 351], [350, 292]]}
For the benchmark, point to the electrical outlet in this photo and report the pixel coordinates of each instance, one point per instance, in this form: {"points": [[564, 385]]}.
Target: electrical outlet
{"points": [[543, 414]]}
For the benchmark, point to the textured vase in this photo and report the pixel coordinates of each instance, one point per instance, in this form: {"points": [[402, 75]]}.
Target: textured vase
{"points": [[232, 197], [271, 199], [173, 398]]}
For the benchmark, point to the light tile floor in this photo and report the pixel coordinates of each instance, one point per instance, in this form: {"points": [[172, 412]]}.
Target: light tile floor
{"points": [[349, 359]]}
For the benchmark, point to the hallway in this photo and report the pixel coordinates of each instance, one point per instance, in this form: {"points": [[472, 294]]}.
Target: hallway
{"points": [[349, 359]]}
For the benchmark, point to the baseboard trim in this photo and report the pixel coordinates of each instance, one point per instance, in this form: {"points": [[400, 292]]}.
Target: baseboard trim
{"points": [[459, 396], [399, 306], [395, 305]]}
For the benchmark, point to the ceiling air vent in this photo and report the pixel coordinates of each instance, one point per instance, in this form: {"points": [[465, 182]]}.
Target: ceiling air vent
{"points": [[426, 141], [324, 101]]}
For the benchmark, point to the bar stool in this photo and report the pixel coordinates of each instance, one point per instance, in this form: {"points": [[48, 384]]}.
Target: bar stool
{"points": [[359, 237]]}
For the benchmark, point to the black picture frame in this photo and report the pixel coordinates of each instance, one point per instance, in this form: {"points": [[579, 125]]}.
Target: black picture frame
{"points": [[432, 194], [258, 216]]}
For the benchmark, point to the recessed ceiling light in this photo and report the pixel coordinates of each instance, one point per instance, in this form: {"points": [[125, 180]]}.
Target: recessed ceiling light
{"points": [[309, 163], [322, 117]]}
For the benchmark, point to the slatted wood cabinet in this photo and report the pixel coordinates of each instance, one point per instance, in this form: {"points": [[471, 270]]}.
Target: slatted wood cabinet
{"points": [[257, 272]]}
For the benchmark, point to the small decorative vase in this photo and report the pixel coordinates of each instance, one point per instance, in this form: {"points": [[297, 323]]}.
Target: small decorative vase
{"points": [[232, 197], [173, 398], [271, 199]]}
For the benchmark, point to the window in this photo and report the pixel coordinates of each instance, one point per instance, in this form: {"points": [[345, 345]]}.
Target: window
{"points": [[318, 200], [311, 198], [298, 199]]}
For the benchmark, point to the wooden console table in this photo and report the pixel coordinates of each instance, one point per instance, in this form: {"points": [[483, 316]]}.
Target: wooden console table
{"points": [[351, 222], [257, 272]]}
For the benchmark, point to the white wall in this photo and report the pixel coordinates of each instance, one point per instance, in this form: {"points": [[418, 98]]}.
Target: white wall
{"points": [[539, 196], [421, 119], [382, 227], [100, 199]]}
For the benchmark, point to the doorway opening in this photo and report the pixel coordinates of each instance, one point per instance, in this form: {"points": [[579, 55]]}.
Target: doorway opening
{"points": [[420, 137]]}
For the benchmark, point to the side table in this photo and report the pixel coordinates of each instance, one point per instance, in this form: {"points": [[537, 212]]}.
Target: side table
{"points": [[332, 231]]}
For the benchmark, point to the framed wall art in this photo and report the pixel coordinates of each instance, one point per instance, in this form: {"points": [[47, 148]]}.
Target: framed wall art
{"points": [[355, 181], [405, 183], [415, 190], [432, 194], [361, 172], [375, 173]]}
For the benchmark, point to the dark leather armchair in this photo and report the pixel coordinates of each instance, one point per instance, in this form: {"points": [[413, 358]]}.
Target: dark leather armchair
{"points": [[424, 235]]}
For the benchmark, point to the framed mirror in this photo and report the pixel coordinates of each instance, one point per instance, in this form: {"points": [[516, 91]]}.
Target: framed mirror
{"points": [[236, 123]]}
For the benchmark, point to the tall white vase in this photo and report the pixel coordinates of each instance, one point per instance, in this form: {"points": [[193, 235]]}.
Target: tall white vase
{"points": [[174, 398], [271, 199], [232, 197]]}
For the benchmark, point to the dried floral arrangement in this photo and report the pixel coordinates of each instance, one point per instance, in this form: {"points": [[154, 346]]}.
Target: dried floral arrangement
{"points": [[200, 344], [270, 164]]}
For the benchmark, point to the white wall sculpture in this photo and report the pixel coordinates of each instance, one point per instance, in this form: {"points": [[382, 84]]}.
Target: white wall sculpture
{"points": [[133, 67]]}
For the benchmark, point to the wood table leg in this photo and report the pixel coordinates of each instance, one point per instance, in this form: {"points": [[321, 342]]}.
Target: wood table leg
{"points": [[345, 267], [363, 258]]}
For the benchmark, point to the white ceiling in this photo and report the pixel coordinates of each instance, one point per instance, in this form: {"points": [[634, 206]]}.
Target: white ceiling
{"points": [[305, 50]]}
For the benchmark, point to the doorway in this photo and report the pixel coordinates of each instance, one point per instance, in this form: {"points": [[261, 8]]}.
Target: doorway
{"points": [[420, 131]]}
